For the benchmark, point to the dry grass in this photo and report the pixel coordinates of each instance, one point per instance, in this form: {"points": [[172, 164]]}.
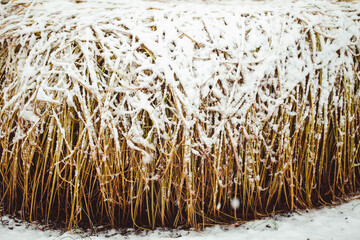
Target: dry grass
{"points": [[78, 162]]}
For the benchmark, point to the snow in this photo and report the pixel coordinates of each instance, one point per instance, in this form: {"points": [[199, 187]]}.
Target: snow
{"points": [[218, 51], [235, 203], [224, 53], [337, 223]]}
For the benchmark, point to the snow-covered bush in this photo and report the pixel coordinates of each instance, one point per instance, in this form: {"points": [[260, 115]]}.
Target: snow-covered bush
{"points": [[148, 113]]}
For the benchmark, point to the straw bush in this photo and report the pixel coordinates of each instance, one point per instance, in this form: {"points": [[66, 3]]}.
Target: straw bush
{"points": [[164, 115]]}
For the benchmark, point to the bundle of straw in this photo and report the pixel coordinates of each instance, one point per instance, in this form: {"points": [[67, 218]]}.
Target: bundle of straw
{"points": [[151, 114]]}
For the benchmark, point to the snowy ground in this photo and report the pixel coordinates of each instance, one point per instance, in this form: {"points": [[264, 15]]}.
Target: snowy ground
{"points": [[341, 222]]}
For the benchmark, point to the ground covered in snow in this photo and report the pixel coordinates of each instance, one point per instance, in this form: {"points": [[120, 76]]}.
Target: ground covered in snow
{"points": [[340, 222]]}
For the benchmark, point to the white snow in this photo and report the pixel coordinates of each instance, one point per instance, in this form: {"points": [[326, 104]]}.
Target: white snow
{"points": [[235, 203], [222, 54], [202, 47], [337, 223]]}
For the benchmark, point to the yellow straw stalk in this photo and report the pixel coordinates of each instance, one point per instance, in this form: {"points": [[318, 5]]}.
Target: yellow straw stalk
{"points": [[176, 114]]}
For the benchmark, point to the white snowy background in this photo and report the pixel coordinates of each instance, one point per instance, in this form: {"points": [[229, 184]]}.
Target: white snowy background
{"points": [[341, 222]]}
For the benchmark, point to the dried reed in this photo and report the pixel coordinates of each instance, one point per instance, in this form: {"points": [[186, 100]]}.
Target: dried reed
{"points": [[147, 117]]}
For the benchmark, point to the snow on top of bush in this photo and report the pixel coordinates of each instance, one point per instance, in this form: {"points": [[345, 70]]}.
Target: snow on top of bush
{"points": [[212, 58]]}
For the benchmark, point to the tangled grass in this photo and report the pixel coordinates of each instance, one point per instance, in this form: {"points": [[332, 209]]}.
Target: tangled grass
{"points": [[163, 115]]}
